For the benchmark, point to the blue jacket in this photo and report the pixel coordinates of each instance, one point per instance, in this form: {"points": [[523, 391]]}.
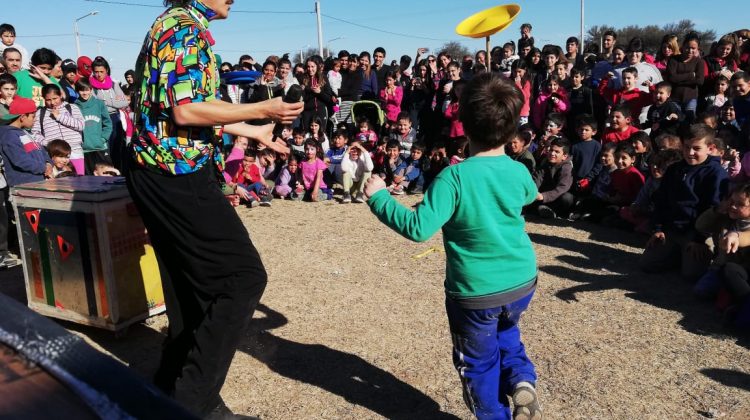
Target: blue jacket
{"points": [[586, 161], [370, 86], [410, 168], [25, 160], [687, 191]]}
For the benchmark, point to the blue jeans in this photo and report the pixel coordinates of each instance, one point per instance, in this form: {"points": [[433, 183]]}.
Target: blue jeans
{"points": [[489, 355]]}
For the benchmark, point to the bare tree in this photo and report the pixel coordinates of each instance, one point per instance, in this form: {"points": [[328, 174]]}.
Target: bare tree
{"points": [[455, 49], [651, 35]]}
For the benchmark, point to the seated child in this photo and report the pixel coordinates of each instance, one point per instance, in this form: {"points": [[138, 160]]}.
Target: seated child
{"points": [[665, 115], [668, 142], [379, 155], [407, 175], [553, 179], [312, 169], [334, 156], [356, 168], [404, 133], [518, 149], [730, 264], [250, 179], [435, 164], [267, 163], [366, 136], [641, 142], [730, 159], [630, 94], [478, 284], [297, 145], [553, 128], [621, 128], [393, 160], [687, 189], [586, 154], [233, 161], [625, 183], [639, 213], [601, 184], [289, 183], [714, 101], [59, 153], [552, 99]]}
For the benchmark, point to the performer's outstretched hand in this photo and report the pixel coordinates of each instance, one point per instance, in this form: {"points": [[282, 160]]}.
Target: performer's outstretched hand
{"points": [[282, 112], [373, 185]]}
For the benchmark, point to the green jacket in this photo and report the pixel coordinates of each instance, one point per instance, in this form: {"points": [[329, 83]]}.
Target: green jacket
{"points": [[98, 126], [477, 203]]}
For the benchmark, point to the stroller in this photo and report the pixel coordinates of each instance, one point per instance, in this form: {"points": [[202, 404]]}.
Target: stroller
{"points": [[370, 110]]}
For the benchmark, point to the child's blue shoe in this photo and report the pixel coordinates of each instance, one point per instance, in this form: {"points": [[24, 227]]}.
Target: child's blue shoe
{"points": [[708, 285]]}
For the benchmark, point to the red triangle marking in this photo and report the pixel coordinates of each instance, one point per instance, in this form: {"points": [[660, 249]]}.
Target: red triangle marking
{"points": [[33, 217], [66, 248]]}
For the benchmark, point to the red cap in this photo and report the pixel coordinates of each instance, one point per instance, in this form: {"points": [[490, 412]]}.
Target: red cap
{"points": [[20, 106]]}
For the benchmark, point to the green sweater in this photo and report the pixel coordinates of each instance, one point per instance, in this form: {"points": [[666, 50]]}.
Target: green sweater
{"points": [[98, 126], [31, 88], [478, 205]]}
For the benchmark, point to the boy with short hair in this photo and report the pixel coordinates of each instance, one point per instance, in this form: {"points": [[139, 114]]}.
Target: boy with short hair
{"points": [[621, 128], [408, 174], [25, 160], [580, 98], [485, 295], [586, 161], [553, 129], [392, 161], [518, 148], [30, 82], [97, 128], [553, 179], [404, 133], [8, 88], [687, 189], [334, 157], [8, 40], [629, 94], [665, 115]]}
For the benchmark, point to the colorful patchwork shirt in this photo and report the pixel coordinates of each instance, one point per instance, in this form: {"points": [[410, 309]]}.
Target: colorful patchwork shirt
{"points": [[177, 67]]}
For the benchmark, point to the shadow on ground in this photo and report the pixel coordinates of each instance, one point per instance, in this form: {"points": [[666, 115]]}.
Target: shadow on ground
{"points": [[597, 267], [728, 377]]}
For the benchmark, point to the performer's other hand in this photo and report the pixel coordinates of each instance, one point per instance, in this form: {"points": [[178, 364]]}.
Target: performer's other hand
{"points": [[283, 112], [267, 134], [373, 185]]}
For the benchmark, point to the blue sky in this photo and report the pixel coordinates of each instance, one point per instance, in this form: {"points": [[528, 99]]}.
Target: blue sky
{"points": [[119, 29]]}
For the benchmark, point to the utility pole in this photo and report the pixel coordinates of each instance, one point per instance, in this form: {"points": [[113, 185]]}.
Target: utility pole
{"points": [[320, 29], [582, 42]]}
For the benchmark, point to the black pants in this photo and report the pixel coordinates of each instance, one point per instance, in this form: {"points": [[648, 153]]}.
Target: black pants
{"points": [[214, 279]]}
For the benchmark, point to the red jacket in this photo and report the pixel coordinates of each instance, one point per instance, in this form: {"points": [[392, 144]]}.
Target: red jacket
{"points": [[635, 99], [457, 127], [615, 136], [626, 184]]}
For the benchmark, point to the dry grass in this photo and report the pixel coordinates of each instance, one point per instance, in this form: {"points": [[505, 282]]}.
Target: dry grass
{"points": [[351, 326]]}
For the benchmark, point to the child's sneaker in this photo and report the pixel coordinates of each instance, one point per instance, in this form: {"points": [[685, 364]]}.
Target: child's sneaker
{"points": [[360, 198], [397, 190], [347, 198], [265, 201], [525, 403], [546, 212]]}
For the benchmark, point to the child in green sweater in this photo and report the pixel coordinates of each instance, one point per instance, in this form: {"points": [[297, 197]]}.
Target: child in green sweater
{"points": [[490, 263]]}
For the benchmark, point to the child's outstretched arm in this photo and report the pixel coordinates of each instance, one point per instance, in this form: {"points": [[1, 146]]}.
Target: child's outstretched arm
{"points": [[431, 214]]}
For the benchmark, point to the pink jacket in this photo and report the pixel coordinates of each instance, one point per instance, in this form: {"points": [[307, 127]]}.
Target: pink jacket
{"points": [[451, 113], [525, 87], [392, 103], [539, 111]]}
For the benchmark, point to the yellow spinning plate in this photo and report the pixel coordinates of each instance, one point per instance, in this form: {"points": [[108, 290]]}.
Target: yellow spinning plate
{"points": [[488, 22]]}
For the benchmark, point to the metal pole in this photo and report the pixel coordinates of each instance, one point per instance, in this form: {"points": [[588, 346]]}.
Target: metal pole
{"points": [[582, 42], [78, 40], [487, 55], [320, 29]]}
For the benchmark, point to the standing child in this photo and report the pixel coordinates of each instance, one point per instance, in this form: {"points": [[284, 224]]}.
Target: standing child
{"points": [[334, 156], [312, 173], [97, 129], [485, 296], [688, 188], [620, 128], [522, 78], [580, 97], [60, 120], [665, 115], [357, 168], [552, 99], [452, 112], [391, 96], [630, 94]]}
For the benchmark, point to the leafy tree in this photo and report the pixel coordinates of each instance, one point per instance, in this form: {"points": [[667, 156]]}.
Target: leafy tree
{"points": [[455, 49], [651, 34]]}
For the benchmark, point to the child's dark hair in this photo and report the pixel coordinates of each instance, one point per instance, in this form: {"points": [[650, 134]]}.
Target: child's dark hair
{"points": [[525, 136], [523, 65], [631, 70], [557, 118], [702, 132], [292, 158], [745, 76], [403, 116], [721, 78], [100, 62], [250, 153], [663, 158], [50, 88], [8, 79], [622, 109], [562, 143], [587, 120], [298, 131], [83, 84], [418, 146], [457, 91], [609, 148], [642, 137], [58, 148], [44, 56], [318, 149], [7, 27], [627, 148], [511, 45], [489, 110], [459, 143], [341, 133], [393, 144], [664, 85], [742, 189], [363, 120], [709, 118], [577, 72]]}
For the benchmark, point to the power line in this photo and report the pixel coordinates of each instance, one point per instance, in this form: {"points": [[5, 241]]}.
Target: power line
{"points": [[112, 39], [275, 12], [43, 36], [382, 30]]}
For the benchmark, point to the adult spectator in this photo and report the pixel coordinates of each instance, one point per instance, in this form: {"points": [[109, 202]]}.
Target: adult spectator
{"points": [[609, 41], [318, 95], [109, 92], [369, 78], [379, 66], [573, 55], [12, 58], [685, 73]]}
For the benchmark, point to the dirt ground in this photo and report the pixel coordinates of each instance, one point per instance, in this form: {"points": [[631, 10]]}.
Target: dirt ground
{"points": [[352, 325]]}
